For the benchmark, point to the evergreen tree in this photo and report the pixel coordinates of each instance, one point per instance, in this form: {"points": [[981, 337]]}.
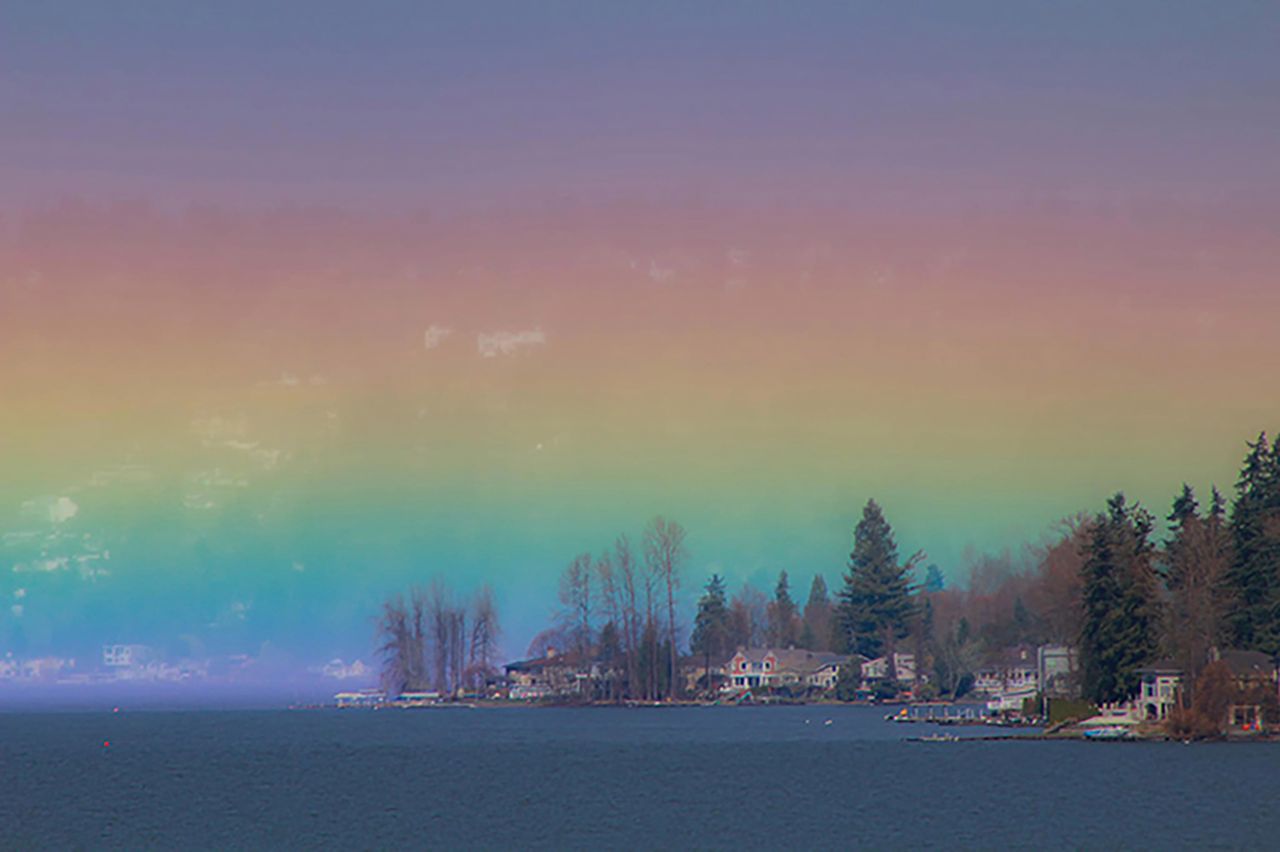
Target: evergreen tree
{"points": [[1023, 623], [1253, 580], [1121, 616], [609, 654], [1185, 506], [848, 681], [1217, 506], [711, 626], [876, 603], [816, 635], [1195, 559], [933, 579], [782, 615]]}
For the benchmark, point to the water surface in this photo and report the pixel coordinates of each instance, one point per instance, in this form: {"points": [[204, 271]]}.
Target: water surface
{"points": [[764, 777]]}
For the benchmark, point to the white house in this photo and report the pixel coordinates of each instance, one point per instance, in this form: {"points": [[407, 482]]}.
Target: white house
{"points": [[1158, 694], [904, 666], [1011, 670], [770, 667]]}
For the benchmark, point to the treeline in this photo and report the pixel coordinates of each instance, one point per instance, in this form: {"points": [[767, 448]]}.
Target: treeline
{"points": [[1215, 582], [1126, 595], [433, 641], [1101, 583], [618, 610]]}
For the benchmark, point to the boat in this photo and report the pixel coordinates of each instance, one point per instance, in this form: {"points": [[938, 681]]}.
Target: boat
{"points": [[1109, 732]]}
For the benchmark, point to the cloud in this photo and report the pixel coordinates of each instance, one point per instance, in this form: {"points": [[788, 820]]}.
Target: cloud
{"points": [[339, 670], [497, 343], [43, 566], [56, 510], [435, 335], [216, 431], [660, 273]]}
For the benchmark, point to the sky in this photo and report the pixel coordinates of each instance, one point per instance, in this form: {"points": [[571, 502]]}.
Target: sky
{"points": [[304, 303]]}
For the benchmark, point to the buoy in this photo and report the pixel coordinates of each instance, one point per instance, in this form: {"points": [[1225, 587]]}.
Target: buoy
{"points": [[106, 744]]}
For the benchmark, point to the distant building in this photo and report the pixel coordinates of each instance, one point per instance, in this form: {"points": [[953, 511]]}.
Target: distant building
{"points": [[1057, 670], [553, 675], [904, 668], [1257, 682], [694, 671], [360, 698], [751, 668], [1158, 694], [1011, 670], [1251, 668]]}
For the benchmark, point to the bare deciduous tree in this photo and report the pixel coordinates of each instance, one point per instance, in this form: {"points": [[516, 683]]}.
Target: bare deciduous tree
{"points": [[395, 645], [665, 554], [748, 617], [624, 570], [485, 633], [576, 598]]}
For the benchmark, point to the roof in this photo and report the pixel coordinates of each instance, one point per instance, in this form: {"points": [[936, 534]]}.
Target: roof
{"points": [[1019, 656], [794, 659], [1161, 667], [552, 661], [1249, 664]]}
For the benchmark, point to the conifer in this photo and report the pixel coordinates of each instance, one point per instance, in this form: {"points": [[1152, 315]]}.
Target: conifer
{"points": [[876, 603]]}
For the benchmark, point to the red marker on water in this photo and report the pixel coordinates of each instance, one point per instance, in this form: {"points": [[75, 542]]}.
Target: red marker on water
{"points": [[106, 744]]}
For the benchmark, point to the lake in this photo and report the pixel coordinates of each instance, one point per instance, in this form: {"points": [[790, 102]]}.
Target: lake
{"points": [[766, 777]]}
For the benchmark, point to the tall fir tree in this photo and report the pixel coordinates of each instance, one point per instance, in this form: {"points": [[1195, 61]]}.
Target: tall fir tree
{"points": [[816, 634], [876, 602], [1195, 558], [1120, 630], [782, 615], [711, 626], [1252, 584]]}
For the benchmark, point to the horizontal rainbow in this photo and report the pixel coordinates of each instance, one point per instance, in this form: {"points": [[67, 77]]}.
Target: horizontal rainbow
{"points": [[269, 421]]}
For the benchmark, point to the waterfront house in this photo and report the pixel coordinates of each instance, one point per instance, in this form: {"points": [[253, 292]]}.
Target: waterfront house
{"points": [[1251, 669], [554, 675], [1014, 669], [752, 668], [360, 698], [1057, 670], [1158, 694], [904, 668], [694, 671], [1155, 700], [1256, 703]]}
